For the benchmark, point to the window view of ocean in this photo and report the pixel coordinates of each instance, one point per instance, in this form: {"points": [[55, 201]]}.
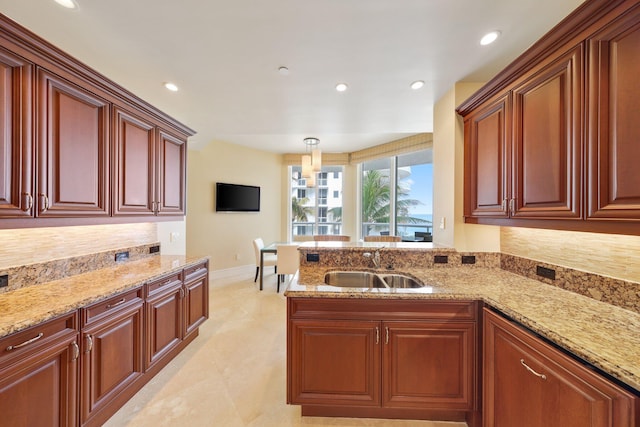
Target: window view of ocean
{"points": [[405, 229]]}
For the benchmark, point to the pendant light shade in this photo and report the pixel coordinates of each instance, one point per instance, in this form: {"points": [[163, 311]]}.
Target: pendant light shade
{"points": [[306, 166]]}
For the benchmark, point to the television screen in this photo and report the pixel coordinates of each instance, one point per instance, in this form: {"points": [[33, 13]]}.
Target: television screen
{"points": [[237, 198]]}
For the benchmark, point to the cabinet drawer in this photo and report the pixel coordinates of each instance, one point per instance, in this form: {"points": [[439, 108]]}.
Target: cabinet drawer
{"points": [[111, 305], [21, 343], [382, 309], [196, 271], [163, 283]]}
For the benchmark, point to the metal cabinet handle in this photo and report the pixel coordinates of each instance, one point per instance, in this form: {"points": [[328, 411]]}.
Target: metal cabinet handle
{"points": [[504, 205], [45, 207], [122, 301], [89, 339], [182, 294], [76, 350], [29, 203], [377, 335], [27, 342], [512, 206], [543, 376], [386, 339]]}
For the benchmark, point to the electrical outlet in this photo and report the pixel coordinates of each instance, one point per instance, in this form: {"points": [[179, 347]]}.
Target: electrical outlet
{"points": [[443, 223], [4, 281], [468, 259], [237, 257], [174, 236], [154, 249], [313, 257], [548, 273], [122, 256], [441, 259]]}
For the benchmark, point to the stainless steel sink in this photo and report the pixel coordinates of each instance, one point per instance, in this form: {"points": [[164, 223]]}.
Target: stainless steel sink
{"points": [[366, 279], [401, 281], [354, 279]]}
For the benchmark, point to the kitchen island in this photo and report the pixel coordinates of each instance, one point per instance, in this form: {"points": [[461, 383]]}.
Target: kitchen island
{"points": [[600, 336]]}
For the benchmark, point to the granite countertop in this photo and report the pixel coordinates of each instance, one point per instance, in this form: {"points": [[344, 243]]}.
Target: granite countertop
{"points": [[602, 334], [31, 305]]}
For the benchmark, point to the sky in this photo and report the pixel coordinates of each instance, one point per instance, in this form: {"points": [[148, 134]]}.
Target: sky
{"points": [[422, 188]]}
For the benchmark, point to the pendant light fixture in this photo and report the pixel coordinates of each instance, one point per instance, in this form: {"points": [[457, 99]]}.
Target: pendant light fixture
{"points": [[311, 161]]}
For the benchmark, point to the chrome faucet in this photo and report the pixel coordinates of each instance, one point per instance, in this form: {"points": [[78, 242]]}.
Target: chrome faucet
{"points": [[375, 258]]}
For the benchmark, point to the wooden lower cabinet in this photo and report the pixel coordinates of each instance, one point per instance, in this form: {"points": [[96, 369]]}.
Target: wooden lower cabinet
{"points": [[335, 362], [113, 349], [415, 359], [196, 297], [38, 375], [428, 365], [528, 383], [164, 317]]}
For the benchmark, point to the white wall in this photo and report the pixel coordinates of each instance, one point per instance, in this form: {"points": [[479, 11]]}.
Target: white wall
{"points": [[227, 237], [448, 178], [172, 236]]}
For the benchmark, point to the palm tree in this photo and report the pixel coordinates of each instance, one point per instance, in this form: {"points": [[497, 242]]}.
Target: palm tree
{"points": [[300, 212], [376, 201]]}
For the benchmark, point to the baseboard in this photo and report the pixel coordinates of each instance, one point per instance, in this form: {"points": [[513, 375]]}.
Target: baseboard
{"points": [[243, 271]]}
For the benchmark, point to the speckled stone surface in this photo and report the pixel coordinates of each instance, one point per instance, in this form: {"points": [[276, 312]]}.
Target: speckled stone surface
{"points": [[602, 334], [618, 292], [28, 306], [36, 274]]}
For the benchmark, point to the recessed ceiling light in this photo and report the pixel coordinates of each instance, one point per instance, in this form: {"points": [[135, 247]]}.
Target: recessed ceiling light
{"points": [[489, 38], [69, 4], [171, 86], [341, 87], [417, 84]]}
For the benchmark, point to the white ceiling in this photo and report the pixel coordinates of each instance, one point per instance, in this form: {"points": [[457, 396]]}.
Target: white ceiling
{"points": [[225, 54]]}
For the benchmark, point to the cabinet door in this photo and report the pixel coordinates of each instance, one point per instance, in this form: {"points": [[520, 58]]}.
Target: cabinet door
{"points": [[135, 167], [171, 193], [16, 145], [614, 120], [429, 365], [527, 383], [112, 358], [164, 322], [334, 362], [73, 150], [547, 140], [487, 160], [196, 302], [41, 389]]}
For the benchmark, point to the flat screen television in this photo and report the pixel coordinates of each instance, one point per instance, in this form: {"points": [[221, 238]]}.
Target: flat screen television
{"points": [[237, 198]]}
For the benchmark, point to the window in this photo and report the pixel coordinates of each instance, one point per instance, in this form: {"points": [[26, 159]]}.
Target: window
{"points": [[312, 211], [397, 195]]}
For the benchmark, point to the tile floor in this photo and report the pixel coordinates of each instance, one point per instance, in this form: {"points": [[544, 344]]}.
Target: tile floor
{"points": [[233, 374]]}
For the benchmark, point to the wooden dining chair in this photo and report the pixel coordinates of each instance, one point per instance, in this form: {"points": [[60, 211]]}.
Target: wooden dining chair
{"points": [[331, 238], [382, 239]]}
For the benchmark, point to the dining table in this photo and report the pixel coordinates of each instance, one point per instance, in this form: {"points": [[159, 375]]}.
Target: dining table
{"points": [[269, 249]]}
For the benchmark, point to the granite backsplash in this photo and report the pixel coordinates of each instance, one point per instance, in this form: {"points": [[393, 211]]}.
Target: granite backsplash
{"points": [[35, 274], [621, 293]]}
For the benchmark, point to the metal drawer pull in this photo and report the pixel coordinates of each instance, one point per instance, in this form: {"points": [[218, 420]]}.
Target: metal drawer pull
{"points": [[377, 335], [89, 344], [543, 376], [386, 340], [27, 342], [122, 301]]}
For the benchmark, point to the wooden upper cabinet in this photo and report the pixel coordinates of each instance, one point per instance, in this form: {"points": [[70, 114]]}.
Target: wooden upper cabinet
{"points": [[547, 139], [614, 120], [16, 145], [73, 149], [487, 163], [172, 164], [134, 164]]}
